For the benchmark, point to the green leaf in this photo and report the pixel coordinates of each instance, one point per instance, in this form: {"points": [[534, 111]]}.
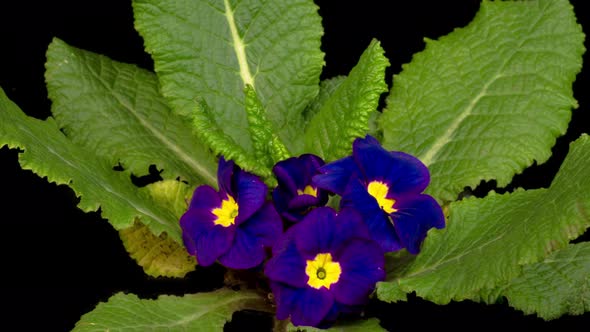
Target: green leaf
{"points": [[196, 312], [556, 286], [174, 195], [116, 110], [268, 147], [223, 144], [359, 325], [327, 88], [160, 256], [488, 241], [48, 153], [213, 49], [487, 100], [345, 115]]}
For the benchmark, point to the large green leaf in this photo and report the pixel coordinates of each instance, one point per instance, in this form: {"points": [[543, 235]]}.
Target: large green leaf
{"points": [[488, 241], [212, 49], [48, 153], [344, 116], [558, 285], [196, 312], [487, 100], [116, 110]]}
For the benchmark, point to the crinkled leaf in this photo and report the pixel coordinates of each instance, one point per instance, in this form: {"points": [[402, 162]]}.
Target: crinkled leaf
{"points": [[195, 312], [223, 144], [160, 255], [359, 325], [488, 241], [558, 285], [116, 110], [345, 115], [211, 49], [268, 147], [487, 100], [327, 88], [48, 153]]}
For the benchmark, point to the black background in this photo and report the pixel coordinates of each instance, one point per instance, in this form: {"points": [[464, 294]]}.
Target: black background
{"points": [[57, 262]]}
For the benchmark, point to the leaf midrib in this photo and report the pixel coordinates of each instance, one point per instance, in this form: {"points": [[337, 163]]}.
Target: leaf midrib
{"points": [[239, 46], [429, 156]]}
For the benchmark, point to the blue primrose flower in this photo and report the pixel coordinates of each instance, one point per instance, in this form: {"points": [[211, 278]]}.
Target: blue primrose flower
{"points": [[323, 266], [386, 188], [232, 226], [295, 196]]}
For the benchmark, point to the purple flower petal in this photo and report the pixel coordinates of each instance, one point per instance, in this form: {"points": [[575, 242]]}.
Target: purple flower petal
{"points": [[357, 197], [306, 306], [212, 244], [331, 316], [296, 172], [311, 161], [313, 305], [403, 173], [205, 197], [280, 199], [362, 263], [303, 202], [380, 227], [251, 195], [252, 237], [415, 216], [315, 232], [383, 232], [265, 225], [294, 175], [225, 172], [335, 176], [349, 225], [287, 266], [284, 296], [193, 224], [246, 252], [286, 172]]}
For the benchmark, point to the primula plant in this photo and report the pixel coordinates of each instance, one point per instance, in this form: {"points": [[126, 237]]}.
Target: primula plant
{"points": [[316, 197]]}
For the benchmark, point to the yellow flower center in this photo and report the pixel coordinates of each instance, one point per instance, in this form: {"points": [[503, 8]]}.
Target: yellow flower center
{"points": [[227, 213], [379, 190], [322, 272], [308, 190]]}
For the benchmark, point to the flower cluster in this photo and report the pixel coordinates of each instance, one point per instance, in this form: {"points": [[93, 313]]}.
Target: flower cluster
{"points": [[327, 262], [386, 188], [234, 225]]}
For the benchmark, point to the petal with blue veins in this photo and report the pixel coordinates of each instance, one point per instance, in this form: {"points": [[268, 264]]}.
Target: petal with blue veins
{"points": [[402, 172], [415, 216]]}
